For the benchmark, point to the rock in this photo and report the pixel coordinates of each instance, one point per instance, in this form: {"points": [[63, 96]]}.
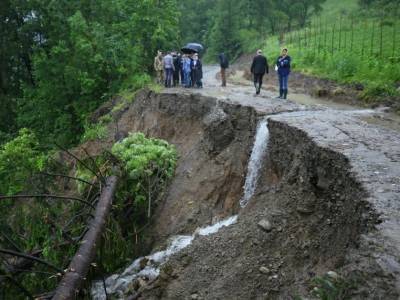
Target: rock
{"points": [[332, 274], [305, 209], [265, 225], [194, 296], [320, 92], [264, 270], [338, 91], [143, 263]]}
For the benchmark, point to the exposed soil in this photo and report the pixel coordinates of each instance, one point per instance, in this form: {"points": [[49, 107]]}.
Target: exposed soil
{"points": [[327, 199], [320, 220]]}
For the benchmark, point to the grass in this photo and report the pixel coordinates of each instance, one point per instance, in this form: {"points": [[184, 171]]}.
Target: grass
{"points": [[348, 46]]}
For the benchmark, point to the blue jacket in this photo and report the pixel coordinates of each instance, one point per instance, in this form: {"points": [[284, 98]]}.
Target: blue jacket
{"points": [[283, 65]]}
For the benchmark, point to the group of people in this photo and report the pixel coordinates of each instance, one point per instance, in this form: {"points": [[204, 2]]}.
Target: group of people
{"points": [[259, 68], [174, 69]]}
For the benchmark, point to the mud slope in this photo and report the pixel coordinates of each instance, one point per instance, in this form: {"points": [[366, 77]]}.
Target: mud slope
{"points": [[213, 142], [330, 197], [327, 198]]}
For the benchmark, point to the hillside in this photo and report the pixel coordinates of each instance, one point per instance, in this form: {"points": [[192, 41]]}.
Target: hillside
{"points": [[349, 45]]}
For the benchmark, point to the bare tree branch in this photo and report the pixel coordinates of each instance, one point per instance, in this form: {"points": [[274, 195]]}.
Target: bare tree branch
{"points": [[30, 257], [80, 264], [81, 162], [47, 196], [66, 176]]}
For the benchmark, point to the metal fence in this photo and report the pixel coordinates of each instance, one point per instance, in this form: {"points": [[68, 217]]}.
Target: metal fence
{"points": [[375, 38]]}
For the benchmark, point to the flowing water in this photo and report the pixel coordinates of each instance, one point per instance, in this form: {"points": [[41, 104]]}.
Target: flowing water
{"points": [[119, 284], [148, 267], [256, 161]]}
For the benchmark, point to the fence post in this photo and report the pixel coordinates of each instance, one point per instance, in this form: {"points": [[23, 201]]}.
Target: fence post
{"points": [[325, 34], [298, 38], [372, 38], [333, 37], [394, 39], [319, 35], [352, 33], [345, 37], [381, 39], [340, 31], [315, 36], [364, 29]]}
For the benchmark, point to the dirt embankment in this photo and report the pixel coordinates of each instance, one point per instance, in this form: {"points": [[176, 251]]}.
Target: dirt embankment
{"points": [[310, 215], [213, 141], [326, 199]]}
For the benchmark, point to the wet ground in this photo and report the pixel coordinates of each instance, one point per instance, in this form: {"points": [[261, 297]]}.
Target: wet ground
{"points": [[368, 138], [241, 91]]}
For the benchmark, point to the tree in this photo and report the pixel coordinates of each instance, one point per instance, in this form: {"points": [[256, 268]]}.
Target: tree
{"points": [[223, 36], [85, 51]]}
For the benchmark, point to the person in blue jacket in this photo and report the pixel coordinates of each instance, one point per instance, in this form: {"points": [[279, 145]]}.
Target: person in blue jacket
{"points": [[283, 65], [186, 66]]}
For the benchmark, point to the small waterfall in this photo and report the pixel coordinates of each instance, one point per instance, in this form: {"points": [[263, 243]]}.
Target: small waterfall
{"points": [[148, 267], [118, 284], [256, 161]]}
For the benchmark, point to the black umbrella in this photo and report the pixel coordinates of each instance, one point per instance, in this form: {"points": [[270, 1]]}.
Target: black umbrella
{"points": [[192, 47]]}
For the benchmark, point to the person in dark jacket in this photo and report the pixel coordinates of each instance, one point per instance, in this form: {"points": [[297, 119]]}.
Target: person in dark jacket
{"points": [[197, 71], [224, 64], [177, 65], [259, 67], [283, 64]]}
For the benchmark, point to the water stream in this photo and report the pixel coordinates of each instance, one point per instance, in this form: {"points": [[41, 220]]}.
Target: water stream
{"points": [[255, 162], [148, 267]]}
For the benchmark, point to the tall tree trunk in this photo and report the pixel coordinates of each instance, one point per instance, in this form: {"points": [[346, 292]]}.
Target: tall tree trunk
{"points": [[79, 266]]}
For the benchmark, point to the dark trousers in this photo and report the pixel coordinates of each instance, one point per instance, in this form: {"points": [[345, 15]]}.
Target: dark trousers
{"points": [[168, 77], [176, 77], [258, 81], [223, 76], [182, 76], [193, 78]]}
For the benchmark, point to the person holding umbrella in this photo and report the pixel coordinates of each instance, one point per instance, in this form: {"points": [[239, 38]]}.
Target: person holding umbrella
{"points": [[197, 71], [259, 67], [189, 63]]}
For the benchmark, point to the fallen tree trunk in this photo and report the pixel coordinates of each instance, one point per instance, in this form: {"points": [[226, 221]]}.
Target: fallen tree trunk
{"points": [[80, 264]]}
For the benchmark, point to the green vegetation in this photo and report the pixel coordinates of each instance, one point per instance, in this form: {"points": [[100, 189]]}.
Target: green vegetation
{"points": [[145, 167], [20, 158], [347, 45], [148, 164], [97, 131], [332, 287], [60, 60], [230, 26], [53, 227]]}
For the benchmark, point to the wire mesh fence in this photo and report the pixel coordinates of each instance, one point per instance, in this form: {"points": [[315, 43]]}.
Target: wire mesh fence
{"points": [[374, 38]]}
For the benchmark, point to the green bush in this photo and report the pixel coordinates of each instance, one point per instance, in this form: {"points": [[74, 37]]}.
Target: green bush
{"points": [[331, 286], [146, 165], [19, 159], [97, 131]]}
